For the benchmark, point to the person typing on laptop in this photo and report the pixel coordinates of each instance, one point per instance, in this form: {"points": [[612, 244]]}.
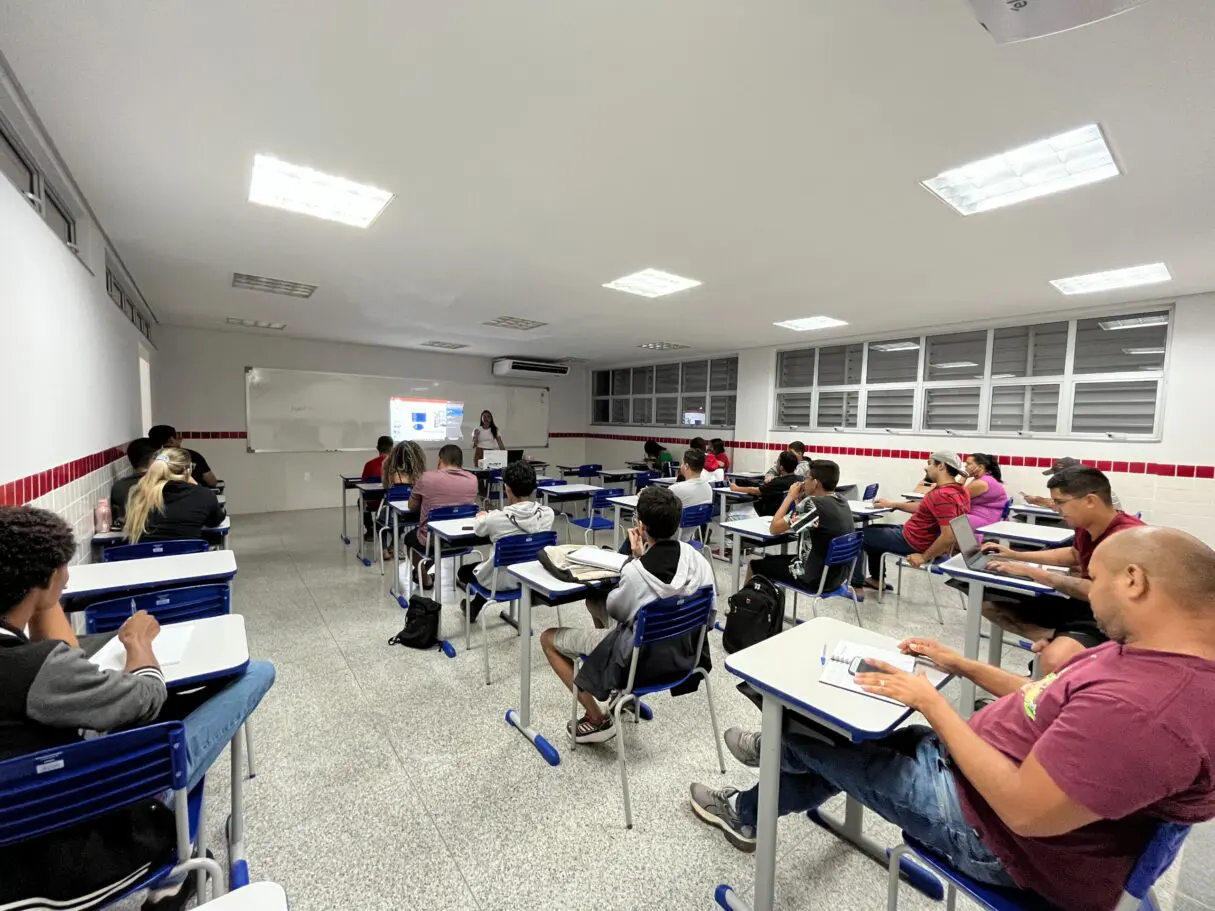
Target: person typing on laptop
{"points": [[1060, 625]]}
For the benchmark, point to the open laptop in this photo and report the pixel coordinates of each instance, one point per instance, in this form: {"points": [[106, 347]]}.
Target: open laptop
{"points": [[968, 544], [514, 455]]}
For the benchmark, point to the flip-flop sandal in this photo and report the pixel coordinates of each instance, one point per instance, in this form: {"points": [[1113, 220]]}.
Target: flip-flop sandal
{"points": [[590, 732]]}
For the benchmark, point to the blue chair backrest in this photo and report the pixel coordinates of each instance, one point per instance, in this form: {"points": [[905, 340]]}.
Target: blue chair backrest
{"points": [[645, 479], [601, 498], [174, 605], [696, 516], [668, 618], [589, 471], [47, 791], [398, 493], [671, 468], [1007, 509], [522, 548], [146, 549], [494, 474], [844, 549], [550, 482], [1159, 854], [451, 512], [870, 492]]}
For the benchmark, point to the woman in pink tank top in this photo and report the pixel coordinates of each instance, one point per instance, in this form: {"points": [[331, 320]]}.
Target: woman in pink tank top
{"points": [[987, 494]]}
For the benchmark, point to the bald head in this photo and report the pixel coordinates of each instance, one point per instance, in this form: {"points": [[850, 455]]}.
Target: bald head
{"points": [[1177, 564]]}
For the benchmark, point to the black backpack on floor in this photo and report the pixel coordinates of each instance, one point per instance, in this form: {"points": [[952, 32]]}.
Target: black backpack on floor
{"points": [[421, 624], [757, 611]]}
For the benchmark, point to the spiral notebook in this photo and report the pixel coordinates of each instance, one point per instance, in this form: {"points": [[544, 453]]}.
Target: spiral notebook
{"points": [[838, 669]]}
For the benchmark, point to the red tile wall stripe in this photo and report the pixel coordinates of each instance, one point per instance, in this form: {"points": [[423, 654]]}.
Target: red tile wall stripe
{"points": [[23, 490]]}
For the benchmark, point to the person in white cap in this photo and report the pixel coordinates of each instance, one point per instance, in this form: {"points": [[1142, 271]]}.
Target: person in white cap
{"points": [[926, 535]]}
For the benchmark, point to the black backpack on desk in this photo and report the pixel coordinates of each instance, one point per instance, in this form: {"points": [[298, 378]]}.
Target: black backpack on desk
{"points": [[757, 611]]}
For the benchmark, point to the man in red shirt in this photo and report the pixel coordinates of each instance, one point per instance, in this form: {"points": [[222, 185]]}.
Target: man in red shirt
{"points": [[926, 535], [1063, 625], [1059, 784], [372, 471]]}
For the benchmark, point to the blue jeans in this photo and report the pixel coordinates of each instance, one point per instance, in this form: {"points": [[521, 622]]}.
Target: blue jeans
{"points": [[211, 726], [880, 539], [904, 778]]}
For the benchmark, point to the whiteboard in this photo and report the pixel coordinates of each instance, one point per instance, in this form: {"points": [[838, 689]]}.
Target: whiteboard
{"points": [[310, 411]]}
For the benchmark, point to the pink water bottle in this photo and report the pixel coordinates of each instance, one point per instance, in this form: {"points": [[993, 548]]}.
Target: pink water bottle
{"points": [[101, 515]]}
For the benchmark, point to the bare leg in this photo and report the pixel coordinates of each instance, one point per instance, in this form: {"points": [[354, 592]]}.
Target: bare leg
{"points": [[564, 668], [596, 606], [1057, 652], [1007, 619]]}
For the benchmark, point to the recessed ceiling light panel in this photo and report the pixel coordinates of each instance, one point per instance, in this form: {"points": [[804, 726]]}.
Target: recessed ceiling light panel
{"points": [[1062, 162], [514, 322], [663, 346], [1131, 277], [1135, 322], [308, 192], [450, 346], [254, 323], [887, 347], [271, 285], [808, 323], [652, 283]]}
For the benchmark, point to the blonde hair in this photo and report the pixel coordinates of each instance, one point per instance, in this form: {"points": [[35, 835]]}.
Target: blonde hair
{"points": [[404, 464], [148, 496]]}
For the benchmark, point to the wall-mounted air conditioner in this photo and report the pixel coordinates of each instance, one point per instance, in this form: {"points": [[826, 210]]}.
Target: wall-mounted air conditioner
{"points": [[511, 366]]}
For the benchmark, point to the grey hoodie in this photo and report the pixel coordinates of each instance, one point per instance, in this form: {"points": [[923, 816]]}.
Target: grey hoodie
{"points": [[524, 517]]}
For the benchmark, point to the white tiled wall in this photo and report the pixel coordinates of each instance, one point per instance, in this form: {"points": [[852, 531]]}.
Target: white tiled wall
{"points": [[76, 500]]}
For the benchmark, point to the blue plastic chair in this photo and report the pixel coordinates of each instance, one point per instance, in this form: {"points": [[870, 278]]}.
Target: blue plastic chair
{"points": [[644, 480], [870, 492], [696, 517], [589, 471], [844, 550], [1004, 513], [659, 621], [175, 605], [550, 482], [439, 513], [145, 549], [508, 551], [46, 792], [493, 486], [595, 520], [1137, 894], [383, 521]]}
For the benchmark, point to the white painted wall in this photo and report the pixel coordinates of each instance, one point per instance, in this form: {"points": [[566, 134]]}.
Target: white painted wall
{"points": [[199, 384], [1188, 436]]}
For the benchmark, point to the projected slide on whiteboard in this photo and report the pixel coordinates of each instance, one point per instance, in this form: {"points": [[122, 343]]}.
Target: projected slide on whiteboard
{"points": [[425, 420]]}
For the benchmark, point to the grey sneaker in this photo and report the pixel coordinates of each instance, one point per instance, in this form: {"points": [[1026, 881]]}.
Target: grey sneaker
{"points": [[714, 808], [743, 746]]}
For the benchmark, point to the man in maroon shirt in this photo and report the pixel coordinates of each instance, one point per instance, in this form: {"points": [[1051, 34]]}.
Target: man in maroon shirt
{"points": [[1058, 785], [926, 535], [447, 485], [1061, 626]]}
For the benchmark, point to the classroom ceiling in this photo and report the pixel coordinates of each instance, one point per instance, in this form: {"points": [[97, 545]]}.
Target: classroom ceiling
{"points": [[539, 149]]}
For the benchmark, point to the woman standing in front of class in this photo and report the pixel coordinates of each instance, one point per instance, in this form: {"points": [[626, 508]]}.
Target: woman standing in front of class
{"points": [[486, 437]]}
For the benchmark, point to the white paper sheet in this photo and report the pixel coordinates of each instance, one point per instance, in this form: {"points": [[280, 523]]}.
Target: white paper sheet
{"points": [[169, 647], [835, 671]]}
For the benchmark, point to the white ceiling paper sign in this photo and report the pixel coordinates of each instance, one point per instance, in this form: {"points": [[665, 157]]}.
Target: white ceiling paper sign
{"points": [[1020, 20]]}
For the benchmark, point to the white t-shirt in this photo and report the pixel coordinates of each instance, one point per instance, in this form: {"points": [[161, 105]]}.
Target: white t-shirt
{"points": [[483, 438], [693, 492]]}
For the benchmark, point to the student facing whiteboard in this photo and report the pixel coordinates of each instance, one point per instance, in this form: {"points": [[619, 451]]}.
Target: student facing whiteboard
{"points": [[486, 436]]}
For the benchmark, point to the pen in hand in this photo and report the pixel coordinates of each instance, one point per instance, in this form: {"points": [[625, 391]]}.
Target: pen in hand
{"points": [[823, 658]]}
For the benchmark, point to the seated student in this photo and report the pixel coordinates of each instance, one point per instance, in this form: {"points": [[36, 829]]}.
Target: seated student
{"points": [[926, 535], [1061, 626], [53, 695], [657, 456], [813, 510], [164, 436], [403, 465], [718, 447], [139, 454], [1058, 785], [1058, 466], [771, 493], [693, 489], [710, 458], [662, 567], [798, 448], [166, 504], [446, 485], [522, 515], [987, 494], [373, 470]]}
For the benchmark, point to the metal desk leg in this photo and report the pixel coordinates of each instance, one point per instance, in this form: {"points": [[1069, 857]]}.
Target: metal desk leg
{"points": [[345, 513], [769, 803], [974, 620], [438, 552], [395, 588], [736, 559], [237, 865], [362, 532], [995, 645], [522, 717], [616, 531]]}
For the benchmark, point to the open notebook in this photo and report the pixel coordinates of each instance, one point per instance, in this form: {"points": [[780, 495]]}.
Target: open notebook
{"points": [[169, 647], [842, 663], [599, 558]]}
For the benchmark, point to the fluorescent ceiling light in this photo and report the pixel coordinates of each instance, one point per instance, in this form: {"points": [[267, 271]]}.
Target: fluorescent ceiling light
{"points": [[1062, 162], [308, 192], [254, 323], [663, 346], [888, 347], [652, 283], [953, 365], [807, 323], [450, 346], [1131, 277], [1135, 322], [1142, 352], [272, 285]]}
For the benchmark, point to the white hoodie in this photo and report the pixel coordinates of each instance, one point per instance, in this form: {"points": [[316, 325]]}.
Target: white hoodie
{"points": [[524, 517], [638, 586]]}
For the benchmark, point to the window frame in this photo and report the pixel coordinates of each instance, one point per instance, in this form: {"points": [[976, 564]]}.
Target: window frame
{"points": [[1066, 380], [677, 393]]}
